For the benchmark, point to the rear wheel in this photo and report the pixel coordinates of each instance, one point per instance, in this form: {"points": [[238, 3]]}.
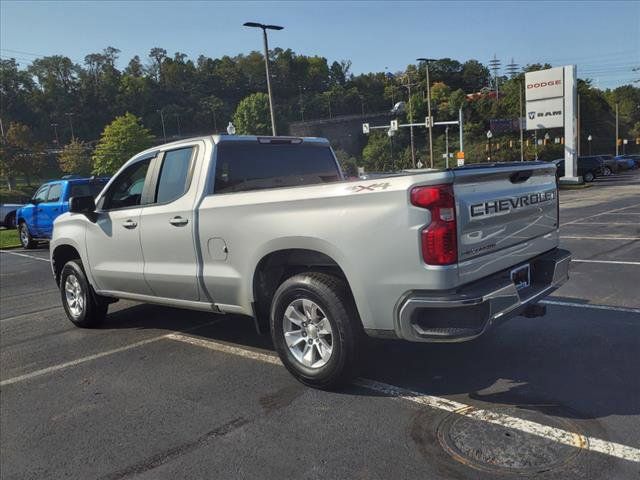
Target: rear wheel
{"points": [[316, 329], [80, 303], [588, 177], [26, 240]]}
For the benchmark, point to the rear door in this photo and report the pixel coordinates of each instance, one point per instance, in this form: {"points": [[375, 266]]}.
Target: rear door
{"points": [[167, 225], [506, 208]]}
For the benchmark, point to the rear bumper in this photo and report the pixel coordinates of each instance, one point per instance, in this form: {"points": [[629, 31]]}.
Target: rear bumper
{"points": [[467, 312]]}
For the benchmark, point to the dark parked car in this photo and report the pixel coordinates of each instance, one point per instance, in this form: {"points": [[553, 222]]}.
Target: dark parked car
{"points": [[609, 164], [588, 167]]}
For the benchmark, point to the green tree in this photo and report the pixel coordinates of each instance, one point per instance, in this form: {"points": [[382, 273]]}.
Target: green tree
{"points": [[377, 153], [120, 140], [75, 158], [252, 115], [20, 154]]}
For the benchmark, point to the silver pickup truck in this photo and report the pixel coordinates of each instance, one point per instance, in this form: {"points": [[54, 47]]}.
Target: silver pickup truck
{"points": [[268, 227]]}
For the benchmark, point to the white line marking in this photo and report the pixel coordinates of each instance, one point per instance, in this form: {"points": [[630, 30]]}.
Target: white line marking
{"points": [[604, 223], [598, 214], [25, 255], [613, 262], [551, 433], [575, 237], [73, 363], [595, 307]]}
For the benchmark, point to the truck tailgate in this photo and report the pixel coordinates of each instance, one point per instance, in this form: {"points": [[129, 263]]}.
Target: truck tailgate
{"points": [[500, 207]]}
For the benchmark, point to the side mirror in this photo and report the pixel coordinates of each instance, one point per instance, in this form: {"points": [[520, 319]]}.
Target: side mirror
{"points": [[86, 205], [35, 201]]}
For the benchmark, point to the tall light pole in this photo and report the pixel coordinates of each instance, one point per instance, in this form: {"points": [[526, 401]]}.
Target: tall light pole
{"points": [[426, 67], [69, 115], [489, 137], [589, 138], [266, 64], [164, 131], [617, 130], [301, 104]]}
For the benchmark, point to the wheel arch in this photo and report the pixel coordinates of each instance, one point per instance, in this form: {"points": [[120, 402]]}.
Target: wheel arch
{"points": [[60, 255], [278, 265]]}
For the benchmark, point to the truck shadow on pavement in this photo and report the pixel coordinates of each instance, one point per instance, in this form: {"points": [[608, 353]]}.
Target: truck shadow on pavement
{"points": [[582, 362]]}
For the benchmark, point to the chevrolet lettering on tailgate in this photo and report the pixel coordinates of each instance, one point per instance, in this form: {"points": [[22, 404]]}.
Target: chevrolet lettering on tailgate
{"points": [[495, 207]]}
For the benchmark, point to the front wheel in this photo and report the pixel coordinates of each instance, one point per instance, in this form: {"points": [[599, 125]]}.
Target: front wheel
{"points": [[588, 177], [26, 240], [80, 304], [316, 329]]}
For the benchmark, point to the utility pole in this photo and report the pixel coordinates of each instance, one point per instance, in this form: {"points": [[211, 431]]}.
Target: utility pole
{"points": [[520, 118], [426, 65], [177, 115], [266, 65], [2, 130], [69, 115], [301, 104], [413, 150], [617, 130], [446, 143], [461, 129], [164, 131]]}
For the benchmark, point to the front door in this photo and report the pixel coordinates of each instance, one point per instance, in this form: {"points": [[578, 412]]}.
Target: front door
{"points": [[167, 230], [49, 210], [32, 212], [113, 240]]}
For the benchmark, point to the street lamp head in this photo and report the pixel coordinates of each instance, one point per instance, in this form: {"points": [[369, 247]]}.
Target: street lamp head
{"points": [[262, 25], [427, 60], [589, 138]]}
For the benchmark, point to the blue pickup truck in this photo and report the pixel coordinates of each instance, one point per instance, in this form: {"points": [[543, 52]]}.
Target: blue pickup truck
{"points": [[35, 219]]}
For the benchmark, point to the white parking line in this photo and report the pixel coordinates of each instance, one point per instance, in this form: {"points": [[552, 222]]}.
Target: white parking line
{"points": [[25, 255], [575, 237], [604, 223], [573, 439], [73, 363], [613, 262], [598, 214], [595, 307]]}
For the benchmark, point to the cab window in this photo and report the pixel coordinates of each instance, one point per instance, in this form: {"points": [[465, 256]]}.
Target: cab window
{"points": [[126, 189], [54, 193], [41, 194]]}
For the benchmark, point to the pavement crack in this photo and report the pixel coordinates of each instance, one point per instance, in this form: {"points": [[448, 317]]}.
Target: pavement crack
{"points": [[160, 459]]}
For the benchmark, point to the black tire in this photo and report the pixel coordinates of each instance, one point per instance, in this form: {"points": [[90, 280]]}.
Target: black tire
{"points": [[336, 305], [91, 311], [589, 177], [26, 240], [10, 220]]}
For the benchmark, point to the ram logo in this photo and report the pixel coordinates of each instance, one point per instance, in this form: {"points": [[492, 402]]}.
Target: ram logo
{"points": [[532, 115]]}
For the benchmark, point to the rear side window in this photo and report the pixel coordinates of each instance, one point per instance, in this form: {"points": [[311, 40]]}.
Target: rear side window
{"points": [[244, 166], [87, 189], [54, 192], [174, 175]]}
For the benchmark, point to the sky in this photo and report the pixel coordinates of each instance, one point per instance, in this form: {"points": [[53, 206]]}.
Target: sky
{"points": [[601, 37]]}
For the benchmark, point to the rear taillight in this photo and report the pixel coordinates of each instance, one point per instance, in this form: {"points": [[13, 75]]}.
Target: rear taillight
{"points": [[439, 238]]}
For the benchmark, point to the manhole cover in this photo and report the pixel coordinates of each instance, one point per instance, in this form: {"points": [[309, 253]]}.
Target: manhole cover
{"points": [[508, 447]]}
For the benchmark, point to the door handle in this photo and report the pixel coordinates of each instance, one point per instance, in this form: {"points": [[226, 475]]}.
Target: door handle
{"points": [[129, 224], [178, 221]]}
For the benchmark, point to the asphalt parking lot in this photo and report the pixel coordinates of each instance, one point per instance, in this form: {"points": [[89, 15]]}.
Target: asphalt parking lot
{"points": [[163, 393]]}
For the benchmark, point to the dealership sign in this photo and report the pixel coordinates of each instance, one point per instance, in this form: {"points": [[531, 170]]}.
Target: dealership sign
{"points": [[544, 95], [548, 113]]}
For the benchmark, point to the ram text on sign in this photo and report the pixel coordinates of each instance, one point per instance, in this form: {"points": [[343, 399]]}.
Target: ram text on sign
{"points": [[544, 84], [545, 114]]}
